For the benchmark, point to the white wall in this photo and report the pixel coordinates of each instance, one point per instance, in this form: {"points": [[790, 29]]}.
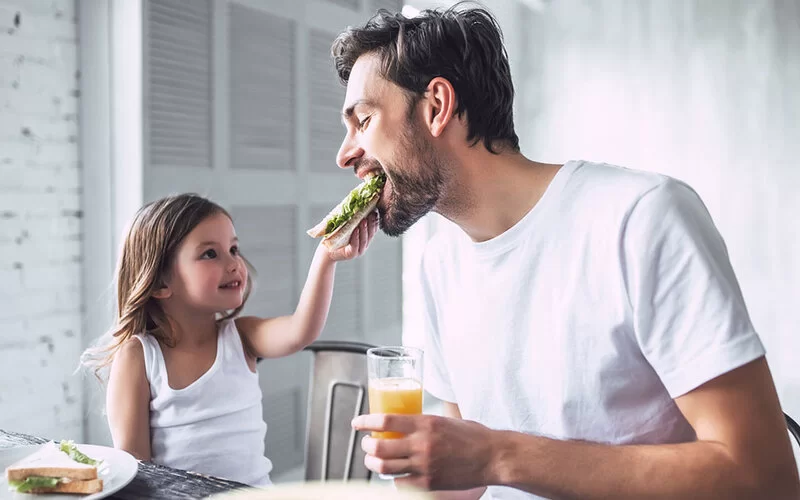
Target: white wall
{"points": [[704, 91], [40, 219]]}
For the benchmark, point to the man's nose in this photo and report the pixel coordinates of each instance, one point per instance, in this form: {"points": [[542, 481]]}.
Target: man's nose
{"points": [[349, 152]]}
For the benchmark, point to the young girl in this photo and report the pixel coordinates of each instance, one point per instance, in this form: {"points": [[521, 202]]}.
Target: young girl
{"points": [[183, 389]]}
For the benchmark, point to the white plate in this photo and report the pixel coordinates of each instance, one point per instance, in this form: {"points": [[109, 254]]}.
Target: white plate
{"points": [[119, 469]]}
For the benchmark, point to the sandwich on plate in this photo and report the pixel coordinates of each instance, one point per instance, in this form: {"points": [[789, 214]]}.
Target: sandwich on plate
{"points": [[337, 227], [55, 468]]}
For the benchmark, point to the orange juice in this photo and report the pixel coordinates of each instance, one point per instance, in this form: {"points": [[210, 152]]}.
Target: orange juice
{"points": [[394, 395]]}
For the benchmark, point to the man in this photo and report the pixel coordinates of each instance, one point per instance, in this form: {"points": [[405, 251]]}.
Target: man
{"points": [[587, 332]]}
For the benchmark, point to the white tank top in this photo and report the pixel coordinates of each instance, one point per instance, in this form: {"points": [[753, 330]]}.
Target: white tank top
{"points": [[215, 425]]}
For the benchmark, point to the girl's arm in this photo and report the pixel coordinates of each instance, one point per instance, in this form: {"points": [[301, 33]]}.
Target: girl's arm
{"points": [[128, 401], [284, 335]]}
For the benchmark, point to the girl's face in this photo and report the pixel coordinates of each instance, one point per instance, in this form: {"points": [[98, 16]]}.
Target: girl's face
{"points": [[208, 274]]}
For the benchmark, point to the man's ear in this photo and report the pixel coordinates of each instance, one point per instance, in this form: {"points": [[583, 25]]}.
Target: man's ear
{"points": [[440, 105]]}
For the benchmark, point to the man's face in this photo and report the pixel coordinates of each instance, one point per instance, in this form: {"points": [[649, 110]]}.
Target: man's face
{"points": [[384, 132]]}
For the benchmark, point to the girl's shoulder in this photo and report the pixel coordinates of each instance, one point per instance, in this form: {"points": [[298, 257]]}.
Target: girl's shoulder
{"points": [[130, 360], [131, 351], [141, 352]]}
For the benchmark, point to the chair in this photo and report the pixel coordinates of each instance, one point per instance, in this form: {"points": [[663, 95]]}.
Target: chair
{"points": [[794, 429], [337, 393]]}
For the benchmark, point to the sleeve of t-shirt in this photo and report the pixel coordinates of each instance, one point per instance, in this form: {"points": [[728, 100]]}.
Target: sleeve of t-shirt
{"points": [[689, 315], [425, 335]]}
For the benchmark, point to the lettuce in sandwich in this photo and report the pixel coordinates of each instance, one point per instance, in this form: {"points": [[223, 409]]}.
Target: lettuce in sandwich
{"points": [[337, 227]]}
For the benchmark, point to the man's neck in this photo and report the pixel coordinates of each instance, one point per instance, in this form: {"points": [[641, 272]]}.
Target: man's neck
{"points": [[493, 192]]}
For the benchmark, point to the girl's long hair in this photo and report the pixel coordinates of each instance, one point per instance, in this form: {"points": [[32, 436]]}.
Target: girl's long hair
{"points": [[145, 262]]}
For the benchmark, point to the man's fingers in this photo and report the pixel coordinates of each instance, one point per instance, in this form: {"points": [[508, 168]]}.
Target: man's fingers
{"points": [[385, 448], [386, 422], [391, 466], [414, 481]]}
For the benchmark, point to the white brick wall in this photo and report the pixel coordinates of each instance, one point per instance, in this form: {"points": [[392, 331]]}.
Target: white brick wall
{"points": [[40, 219]]}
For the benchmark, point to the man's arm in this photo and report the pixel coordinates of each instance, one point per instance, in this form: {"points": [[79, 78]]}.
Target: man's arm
{"points": [[742, 451]]}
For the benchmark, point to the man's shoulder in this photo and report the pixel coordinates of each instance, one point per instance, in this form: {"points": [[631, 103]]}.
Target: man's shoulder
{"points": [[606, 178], [605, 188]]}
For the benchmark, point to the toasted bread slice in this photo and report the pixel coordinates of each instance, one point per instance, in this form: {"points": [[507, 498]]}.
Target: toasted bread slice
{"points": [[341, 237], [371, 183], [49, 461], [77, 473], [77, 487], [319, 229]]}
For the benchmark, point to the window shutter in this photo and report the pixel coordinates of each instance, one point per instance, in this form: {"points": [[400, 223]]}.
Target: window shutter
{"points": [[261, 90], [178, 83]]}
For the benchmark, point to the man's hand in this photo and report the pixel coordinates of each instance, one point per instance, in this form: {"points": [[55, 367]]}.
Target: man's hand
{"points": [[439, 453], [742, 451]]}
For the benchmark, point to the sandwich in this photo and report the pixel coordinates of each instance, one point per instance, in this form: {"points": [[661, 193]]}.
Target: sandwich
{"points": [[337, 227], [55, 468]]}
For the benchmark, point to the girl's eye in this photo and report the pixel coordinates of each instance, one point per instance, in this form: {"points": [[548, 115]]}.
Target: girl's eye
{"points": [[209, 254], [234, 251]]}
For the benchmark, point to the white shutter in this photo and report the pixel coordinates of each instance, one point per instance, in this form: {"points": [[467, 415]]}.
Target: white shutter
{"points": [[327, 96], [178, 86], [384, 272], [261, 90], [267, 236], [353, 5], [390, 5], [284, 413]]}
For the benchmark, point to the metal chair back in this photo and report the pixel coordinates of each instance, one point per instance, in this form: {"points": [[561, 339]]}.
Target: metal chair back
{"points": [[337, 393]]}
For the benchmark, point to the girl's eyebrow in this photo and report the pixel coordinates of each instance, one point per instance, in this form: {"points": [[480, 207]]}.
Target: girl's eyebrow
{"points": [[235, 239]]}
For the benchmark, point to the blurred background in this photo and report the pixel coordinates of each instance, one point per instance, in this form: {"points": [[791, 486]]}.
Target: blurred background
{"points": [[106, 104]]}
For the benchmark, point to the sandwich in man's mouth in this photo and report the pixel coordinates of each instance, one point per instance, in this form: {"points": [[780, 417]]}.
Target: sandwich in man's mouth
{"points": [[337, 227]]}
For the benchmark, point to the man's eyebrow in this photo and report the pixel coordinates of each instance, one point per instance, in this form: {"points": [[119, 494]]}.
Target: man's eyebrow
{"points": [[348, 112]]}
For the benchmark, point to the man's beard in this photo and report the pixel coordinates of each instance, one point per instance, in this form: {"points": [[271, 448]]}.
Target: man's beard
{"points": [[416, 190]]}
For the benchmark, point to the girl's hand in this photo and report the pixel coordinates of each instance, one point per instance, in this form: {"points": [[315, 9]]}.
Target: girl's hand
{"points": [[359, 240]]}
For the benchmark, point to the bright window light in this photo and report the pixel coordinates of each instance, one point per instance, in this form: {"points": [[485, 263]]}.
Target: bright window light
{"points": [[410, 11]]}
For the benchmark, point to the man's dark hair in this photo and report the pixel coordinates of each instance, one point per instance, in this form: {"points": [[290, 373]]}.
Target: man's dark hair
{"points": [[464, 46]]}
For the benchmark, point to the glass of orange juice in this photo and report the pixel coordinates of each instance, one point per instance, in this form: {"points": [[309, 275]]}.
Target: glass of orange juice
{"points": [[395, 383]]}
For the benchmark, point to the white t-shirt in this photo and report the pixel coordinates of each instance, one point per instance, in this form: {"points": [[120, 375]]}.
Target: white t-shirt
{"points": [[611, 297]]}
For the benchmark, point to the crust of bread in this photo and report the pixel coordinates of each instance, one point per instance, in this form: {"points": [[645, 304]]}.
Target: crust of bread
{"points": [[341, 237], [77, 487], [319, 229], [20, 473]]}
